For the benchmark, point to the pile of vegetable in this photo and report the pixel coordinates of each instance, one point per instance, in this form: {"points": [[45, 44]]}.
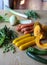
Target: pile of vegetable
{"points": [[35, 54], [34, 34], [28, 27], [24, 41], [14, 20], [30, 14], [40, 33], [25, 28], [28, 40], [6, 37]]}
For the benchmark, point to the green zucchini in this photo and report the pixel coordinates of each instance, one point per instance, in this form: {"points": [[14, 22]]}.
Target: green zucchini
{"points": [[37, 58], [37, 51]]}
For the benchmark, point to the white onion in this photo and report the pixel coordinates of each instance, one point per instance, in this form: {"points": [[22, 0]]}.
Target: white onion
{"points": [[13, 20]]}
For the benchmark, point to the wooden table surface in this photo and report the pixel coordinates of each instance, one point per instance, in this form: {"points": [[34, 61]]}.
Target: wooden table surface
{"points": [[20, 57]]}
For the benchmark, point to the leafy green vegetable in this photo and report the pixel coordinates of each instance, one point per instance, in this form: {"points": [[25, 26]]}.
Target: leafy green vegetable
{"points": [[6, 37], [32, 14], [8, 47], [2, 38], [1, 18], [4, 18]]}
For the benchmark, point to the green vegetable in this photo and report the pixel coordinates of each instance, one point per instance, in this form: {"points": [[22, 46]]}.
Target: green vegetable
{"points": [[9, 34], [4, 18], [32, 14], [6, 37], [2, 38], [37, 58], [15, 12], [8, 47], [1, 18], [36, 51]]}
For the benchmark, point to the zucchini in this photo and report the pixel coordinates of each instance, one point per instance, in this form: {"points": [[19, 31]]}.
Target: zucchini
{"points": [[24, 41], [21, 37], [37, 58], [37, 51], [26, 45]]}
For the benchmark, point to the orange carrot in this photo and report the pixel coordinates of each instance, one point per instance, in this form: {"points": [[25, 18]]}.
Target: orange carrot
{"points": [[26, 25], [26, 32], [27, 29]]}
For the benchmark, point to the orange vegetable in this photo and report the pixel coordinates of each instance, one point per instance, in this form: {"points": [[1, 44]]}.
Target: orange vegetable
{"points": [[26, 25], [40, 44]]}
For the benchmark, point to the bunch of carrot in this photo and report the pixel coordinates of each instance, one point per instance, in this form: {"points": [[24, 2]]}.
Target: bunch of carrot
{"points": [[25, 28]]}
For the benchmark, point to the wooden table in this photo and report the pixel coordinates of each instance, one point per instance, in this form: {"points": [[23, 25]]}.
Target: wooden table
{"points": [[20, 57]]}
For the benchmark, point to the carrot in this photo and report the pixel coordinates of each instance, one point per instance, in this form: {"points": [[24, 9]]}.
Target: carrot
{"points": [[21, 26], [18, 28], [27, 29], [30, 31], [26, 25]]}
